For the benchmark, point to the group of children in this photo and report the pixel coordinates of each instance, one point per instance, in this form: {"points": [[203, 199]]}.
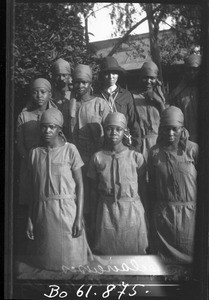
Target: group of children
{"points": [[92, 189]]}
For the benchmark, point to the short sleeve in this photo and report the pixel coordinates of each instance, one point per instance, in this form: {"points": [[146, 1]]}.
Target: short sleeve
{"points": [[92, 171], [33, 153], [20, 122], [141, 163], [139, 159], [192, 151], [75, 158]]}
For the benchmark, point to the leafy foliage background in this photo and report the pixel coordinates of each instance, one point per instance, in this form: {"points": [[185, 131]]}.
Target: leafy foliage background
{"points": [[45, 32]]}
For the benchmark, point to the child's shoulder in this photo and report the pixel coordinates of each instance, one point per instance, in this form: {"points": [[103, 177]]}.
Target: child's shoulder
{"points": [[36, 148], [135, 155], [71, 147], [101, 153], [192, 149], [192, 145], [35, 151], [24, 112], [98, 100], [100, 156]]}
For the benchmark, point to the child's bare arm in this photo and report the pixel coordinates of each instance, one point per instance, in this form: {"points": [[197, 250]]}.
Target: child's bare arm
{"points": [[78, 225]]}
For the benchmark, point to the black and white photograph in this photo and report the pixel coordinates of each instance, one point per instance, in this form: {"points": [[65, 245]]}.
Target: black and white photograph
{"points": [[106, 157]]}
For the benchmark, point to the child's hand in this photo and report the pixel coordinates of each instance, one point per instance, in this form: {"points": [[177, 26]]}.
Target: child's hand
{"points": [[29, 230], [77, 227]]}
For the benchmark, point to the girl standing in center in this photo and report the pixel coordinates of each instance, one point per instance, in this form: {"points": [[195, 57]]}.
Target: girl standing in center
{"points": [[118, 216]]}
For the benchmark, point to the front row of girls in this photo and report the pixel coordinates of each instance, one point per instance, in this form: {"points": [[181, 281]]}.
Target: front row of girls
{"points": [[123, 219]]}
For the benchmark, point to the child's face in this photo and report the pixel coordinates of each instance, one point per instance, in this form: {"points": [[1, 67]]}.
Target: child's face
{"points": [[41, 96], [192, 73], [148, 82], [114, 134], [62, 80], [82, 87], [171, 134], [49, 132]]}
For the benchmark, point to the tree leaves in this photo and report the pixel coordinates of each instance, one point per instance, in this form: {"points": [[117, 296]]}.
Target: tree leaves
{"points": [[186, 20], [43, 33]]}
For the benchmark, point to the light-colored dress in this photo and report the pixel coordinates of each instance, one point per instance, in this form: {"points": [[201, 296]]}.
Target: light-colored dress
{"points": [[88, 133], [54, 208], [120, 217], [29, 136], [173, 203], [63, 102]]}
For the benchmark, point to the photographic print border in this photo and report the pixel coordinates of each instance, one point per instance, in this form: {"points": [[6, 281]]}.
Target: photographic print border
{"points": [[157, 287]]}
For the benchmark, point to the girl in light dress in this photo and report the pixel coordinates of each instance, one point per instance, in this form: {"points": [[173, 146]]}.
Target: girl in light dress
{"points": [[117, 179], [55, 220]]}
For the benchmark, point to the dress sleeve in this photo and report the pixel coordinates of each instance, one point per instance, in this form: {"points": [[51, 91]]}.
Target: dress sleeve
{"points": [[75, 158], [20, 122], [141, 164], [92, 171], [193, 151]]}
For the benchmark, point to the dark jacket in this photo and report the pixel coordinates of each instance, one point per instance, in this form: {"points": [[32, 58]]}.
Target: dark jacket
{"points": [[125, 104]]}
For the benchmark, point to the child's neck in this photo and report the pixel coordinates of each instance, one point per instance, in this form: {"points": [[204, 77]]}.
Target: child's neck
{"points": [[116, 148], [41, 108], [85, 97], [58, 142], [171, 148]]}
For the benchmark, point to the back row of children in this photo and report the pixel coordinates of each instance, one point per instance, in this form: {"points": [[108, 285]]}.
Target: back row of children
{"points": [[122, 160]]}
